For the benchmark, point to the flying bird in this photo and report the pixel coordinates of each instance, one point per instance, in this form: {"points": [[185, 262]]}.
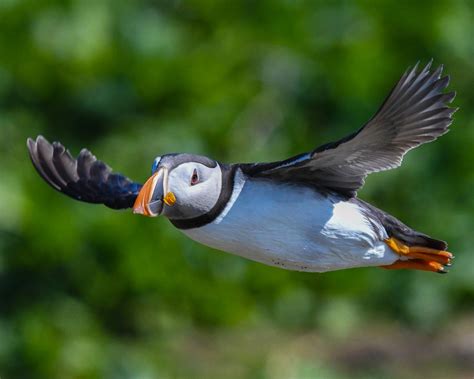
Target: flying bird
{"points": [[301, 213]]}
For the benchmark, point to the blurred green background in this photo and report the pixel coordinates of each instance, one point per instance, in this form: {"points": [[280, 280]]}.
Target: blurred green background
{"points": [[87, 292]]}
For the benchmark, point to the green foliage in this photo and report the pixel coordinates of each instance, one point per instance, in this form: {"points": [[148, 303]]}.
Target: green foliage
{"points": [[86, 292]]}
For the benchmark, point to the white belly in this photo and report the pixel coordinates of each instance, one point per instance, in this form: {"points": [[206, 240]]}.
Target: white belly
{"points": [[294, 227]]}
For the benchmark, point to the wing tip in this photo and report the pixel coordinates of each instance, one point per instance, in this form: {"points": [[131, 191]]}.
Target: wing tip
{"points": [[60, 170], [32, 143], [37, 150]]}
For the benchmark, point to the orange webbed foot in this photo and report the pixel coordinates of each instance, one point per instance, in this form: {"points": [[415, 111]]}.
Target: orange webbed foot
{"points": [[419, 257]]}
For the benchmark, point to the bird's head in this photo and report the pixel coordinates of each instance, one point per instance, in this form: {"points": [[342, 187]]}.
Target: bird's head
{"points": [[182, 186]]}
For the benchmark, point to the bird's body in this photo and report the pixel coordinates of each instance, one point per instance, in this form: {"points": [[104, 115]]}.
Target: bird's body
{"points": [[295, 227], [299, 214]]}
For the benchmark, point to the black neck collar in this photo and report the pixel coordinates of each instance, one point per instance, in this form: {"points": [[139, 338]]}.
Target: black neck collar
{"points": [[228, 175]]}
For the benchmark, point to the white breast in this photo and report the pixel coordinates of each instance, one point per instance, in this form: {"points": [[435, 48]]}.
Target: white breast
{"points": [[294, 227]]}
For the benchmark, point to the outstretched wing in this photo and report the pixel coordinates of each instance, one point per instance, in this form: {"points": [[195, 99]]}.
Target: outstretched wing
{"points": [[415, 112], [85, 178]]}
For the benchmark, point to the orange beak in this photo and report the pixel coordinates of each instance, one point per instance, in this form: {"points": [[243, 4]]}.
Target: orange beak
{"points": [[144, 197], [154, 195]]}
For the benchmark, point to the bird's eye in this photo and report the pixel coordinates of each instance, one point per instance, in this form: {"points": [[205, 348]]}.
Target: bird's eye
{"points": [[194, 178]]}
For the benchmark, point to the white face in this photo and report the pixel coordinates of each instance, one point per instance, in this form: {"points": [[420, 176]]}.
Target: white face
{"points": [[196, 188]]}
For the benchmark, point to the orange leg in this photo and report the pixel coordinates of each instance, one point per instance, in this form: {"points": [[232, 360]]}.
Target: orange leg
{"points": [[419, 257], [417, 264]]}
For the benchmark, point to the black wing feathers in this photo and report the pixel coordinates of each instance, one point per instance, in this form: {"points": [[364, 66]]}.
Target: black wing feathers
{"points": [[85, 178], [415, 112]]}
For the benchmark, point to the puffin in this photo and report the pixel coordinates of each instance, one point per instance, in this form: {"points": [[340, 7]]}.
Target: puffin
{"points": [[301, 213]]}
